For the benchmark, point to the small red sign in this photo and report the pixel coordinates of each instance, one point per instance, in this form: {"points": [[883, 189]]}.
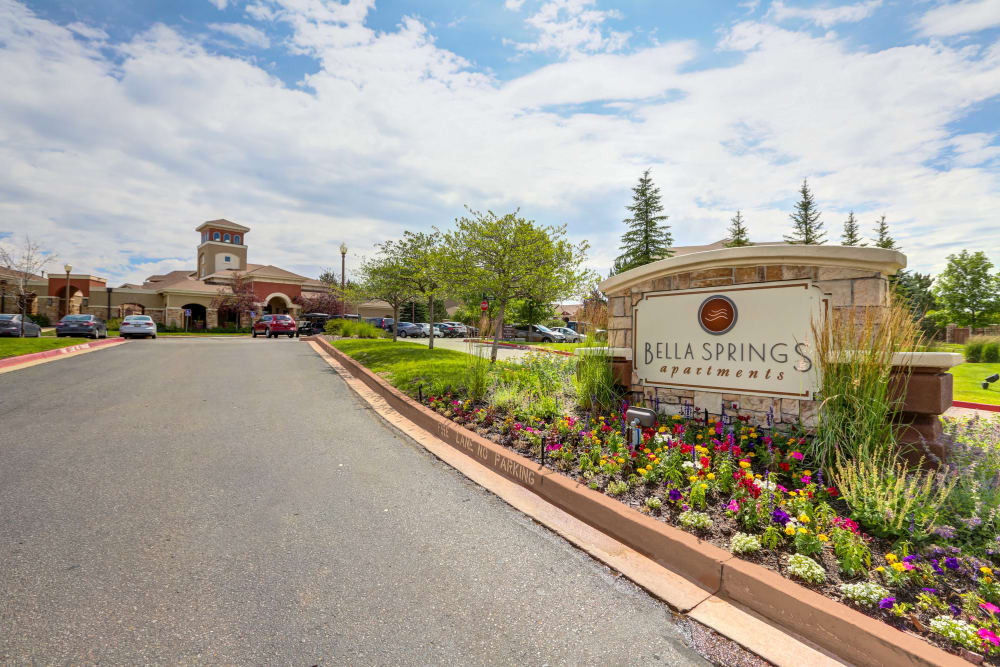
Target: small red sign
{"points": [[484, 306]]}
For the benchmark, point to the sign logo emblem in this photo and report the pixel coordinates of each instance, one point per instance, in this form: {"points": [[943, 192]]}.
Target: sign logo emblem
{"points": [[717, 314]]}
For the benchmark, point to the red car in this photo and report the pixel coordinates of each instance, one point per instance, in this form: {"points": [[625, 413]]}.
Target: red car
{"points": [[275, 325]]}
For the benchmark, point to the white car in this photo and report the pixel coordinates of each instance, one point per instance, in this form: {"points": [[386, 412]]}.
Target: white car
{"points": [[569, 335], [137, 325]]}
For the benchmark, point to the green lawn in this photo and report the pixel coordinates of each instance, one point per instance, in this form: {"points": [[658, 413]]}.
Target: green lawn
{"points": [[967, 383], [12, 347], [407, 365]]}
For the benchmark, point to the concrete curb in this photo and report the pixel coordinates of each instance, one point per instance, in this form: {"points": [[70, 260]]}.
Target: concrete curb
{"points": [[835, 627], [11, 363], [976, 406]]}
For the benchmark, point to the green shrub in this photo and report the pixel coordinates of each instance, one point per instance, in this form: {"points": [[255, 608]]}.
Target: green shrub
{"points": [[353, 329], [41, 320], [974, 350], [114, 323], [991, 352]]}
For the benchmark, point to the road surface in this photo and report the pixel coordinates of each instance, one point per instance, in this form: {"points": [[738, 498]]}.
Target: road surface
{"points": [[230, 500]]}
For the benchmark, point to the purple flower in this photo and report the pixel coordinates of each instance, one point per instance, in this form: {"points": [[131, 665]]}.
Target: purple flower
{"points": [[675, 495], [947, 532], [951, 563], [954, 610], [937, 568], [780, 516], [929, 590], [886, 603]]}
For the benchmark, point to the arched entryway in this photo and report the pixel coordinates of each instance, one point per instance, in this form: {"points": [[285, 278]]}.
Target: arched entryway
{"points": [[75, 300], [197, 320], [132, 309], [277, 303]]}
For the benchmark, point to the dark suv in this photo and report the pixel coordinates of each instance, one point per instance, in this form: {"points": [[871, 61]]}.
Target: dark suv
{"points": [[311, 324]]}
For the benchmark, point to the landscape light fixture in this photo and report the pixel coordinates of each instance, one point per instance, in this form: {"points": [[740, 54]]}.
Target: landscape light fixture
{"points": [[990, 379]]}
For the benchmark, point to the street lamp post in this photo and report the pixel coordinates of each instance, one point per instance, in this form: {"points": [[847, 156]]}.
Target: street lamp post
{"points": [[343, 282], [67, 268], [3, 296]]}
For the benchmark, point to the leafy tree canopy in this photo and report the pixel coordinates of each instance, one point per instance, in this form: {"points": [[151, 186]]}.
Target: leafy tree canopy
{"points": [[967, 290]]}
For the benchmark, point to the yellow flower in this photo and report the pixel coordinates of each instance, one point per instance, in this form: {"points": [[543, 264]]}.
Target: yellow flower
{"points": [[803, 530], [710, 475], [807, 472], [699, 436], [804, 518], [675, 417], [749, 476], [987, 580], [822, 538], [704, 486], [986, 570], [791, 493], [743, 437], [647, 451], [890, 558], [620, 460], [757, 476], [789, 530], [880, 569], [899, 567], [662, 429], [744, 464], [693, 478]]}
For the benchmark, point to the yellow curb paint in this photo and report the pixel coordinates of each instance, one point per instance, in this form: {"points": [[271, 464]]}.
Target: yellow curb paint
{"points": [[57, 357], [749, 631]]}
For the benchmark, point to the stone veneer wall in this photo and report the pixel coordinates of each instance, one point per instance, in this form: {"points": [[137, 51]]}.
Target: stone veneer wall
{"points": [[846, 287]]}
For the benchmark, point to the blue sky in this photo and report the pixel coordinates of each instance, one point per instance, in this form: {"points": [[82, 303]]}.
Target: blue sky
{"points": [[126, 124]]}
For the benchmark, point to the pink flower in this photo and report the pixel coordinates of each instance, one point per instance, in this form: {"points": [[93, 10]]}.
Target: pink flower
{"points": [[733, 506], [992, 608], [988, 636], [806, 479], [798, 456]]}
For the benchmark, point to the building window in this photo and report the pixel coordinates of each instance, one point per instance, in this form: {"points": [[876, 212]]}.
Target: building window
{"points": [[227, 258], [216, 236], [236, 239], [226, 238]]}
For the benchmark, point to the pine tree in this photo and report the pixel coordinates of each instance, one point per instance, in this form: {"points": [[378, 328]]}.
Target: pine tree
{"points": [[882, 238], [647, 240], [739, 236], [851, 236], [808, 229]]}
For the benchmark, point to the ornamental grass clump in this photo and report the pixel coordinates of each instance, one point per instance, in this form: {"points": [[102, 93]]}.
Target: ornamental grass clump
{"points": [[854, 350], [865, 593], [806, 569], [594, 381]]}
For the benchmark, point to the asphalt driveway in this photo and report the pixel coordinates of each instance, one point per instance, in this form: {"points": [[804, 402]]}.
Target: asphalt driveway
{"points": [[231, 501]]}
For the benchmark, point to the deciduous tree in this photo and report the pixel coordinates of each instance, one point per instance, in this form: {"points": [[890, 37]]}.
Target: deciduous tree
{"points": [[967, 289], [807, 227], [507, 257], [24, 263], [421, 254], [236, 299], [384, 277], [647, 239]]}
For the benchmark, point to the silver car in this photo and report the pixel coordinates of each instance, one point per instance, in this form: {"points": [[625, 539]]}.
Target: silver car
{"points": [[569, 335], [137, 325]]}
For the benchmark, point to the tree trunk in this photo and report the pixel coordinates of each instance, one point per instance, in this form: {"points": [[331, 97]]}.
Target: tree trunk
{"points": [[430, 316], [395, 321], [498, 332]]}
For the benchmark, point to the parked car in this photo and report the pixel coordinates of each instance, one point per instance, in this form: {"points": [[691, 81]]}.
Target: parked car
{"points": [[89, 326], [14, 325], [380, 322], [445, 330], [536, 333], [411, 330], [137, 325], [311, 324], [273, 326], [569, 335], [459, 330]]}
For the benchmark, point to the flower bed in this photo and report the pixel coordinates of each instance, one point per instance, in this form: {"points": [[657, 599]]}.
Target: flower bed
{"points": [[754, 491]]}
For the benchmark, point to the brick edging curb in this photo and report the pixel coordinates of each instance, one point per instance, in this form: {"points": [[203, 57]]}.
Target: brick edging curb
{"points": [[841, 630], [35, 356], [976, 406]]}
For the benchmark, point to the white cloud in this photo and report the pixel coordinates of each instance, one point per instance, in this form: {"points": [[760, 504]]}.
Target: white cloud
{"points": [[247, 34], [395, 132], [513, 5], [568, 27], [825, 17], [87, 32], [960, 18], [219, 4]]}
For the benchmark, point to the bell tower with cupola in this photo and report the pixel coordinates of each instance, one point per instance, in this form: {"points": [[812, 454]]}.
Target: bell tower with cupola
{"points": [[223, 246]]}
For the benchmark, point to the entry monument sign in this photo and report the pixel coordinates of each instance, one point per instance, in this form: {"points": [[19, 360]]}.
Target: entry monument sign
{"points": [[753, 339]]}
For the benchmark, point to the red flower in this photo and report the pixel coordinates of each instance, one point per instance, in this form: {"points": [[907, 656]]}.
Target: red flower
{"points": [[833, 491], [736, 450], [686, 449], [783, 466], [705, 461]]}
